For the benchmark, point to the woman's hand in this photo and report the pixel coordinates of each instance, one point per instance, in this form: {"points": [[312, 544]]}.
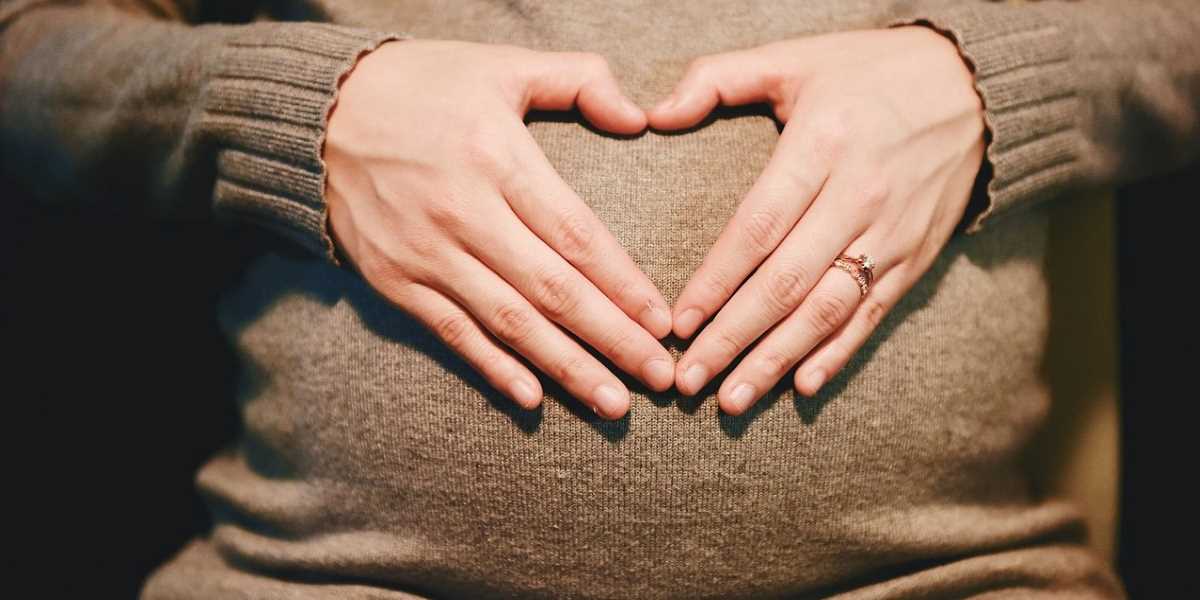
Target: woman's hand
{"points": [[442, 200], [882, 142]]}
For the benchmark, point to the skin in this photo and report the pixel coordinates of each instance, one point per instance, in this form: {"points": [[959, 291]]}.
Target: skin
{"points": [[445, 205], [882, 142]]}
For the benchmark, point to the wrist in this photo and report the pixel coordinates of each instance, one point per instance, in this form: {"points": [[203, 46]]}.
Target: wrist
{"points": [[1020, 59], [334, 119]]}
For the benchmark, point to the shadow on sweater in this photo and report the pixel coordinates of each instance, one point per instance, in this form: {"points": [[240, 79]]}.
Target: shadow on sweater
{"points": [[285, 271]]}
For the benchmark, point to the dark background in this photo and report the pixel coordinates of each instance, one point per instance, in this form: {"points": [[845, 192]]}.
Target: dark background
{"points": [[119, 382]]}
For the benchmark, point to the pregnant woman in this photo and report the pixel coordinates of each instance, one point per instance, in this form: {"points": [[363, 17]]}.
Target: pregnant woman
{"points": [[764, 320]]}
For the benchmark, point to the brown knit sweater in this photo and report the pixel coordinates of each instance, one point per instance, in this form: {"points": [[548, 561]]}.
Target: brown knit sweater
{"points": [[375, 464]]}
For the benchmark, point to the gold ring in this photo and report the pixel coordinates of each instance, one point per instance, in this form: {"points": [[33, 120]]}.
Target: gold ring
{"points": [[862, 269]]}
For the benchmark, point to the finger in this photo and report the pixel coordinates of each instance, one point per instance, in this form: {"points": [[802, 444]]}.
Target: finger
{"points": [[729, 79], [822, 312], [560, 80], [776, 288], [463, 334], [556, 214], [832, 354], [565, 296], [782, 193], [512, 319]]}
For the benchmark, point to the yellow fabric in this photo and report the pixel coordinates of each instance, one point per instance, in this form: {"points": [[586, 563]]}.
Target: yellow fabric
{"points": [[1077, 455]]}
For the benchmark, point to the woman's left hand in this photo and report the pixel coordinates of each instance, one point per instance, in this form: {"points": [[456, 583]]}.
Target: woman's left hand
{"points": [[883, 139]]}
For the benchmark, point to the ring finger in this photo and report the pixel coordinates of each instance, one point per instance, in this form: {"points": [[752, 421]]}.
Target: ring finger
{"points": [[775, 289], [830, 303], [832, 354]]}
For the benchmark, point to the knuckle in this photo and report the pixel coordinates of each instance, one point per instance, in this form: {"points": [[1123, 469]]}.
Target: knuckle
{"points": [[391, 274], [596, 62], [380, 267], [568, 370], [830, 132], [393, 195], [447, 213], [624, 292], [828, 312], [511, 181], [873, 312], [727, 344], [763, 229], [482, 147], [453, 329], [798, 183], [619, 347], [874, 193], [786, 286], [718, 286], [513, 323], [700, 70], [775, 364], [699, 65], [575, 237], [399, 289], [427, 247], [556, 293]]}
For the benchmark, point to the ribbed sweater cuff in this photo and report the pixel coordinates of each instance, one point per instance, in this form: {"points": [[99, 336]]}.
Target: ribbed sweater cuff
{"points": [[1021, 61], [266, 106]]}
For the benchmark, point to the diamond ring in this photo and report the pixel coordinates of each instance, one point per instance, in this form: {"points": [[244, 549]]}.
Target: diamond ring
{"points": [[862, 269]]}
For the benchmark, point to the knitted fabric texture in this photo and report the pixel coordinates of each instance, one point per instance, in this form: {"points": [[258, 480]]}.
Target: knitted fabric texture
{"points": [[374, 463]]}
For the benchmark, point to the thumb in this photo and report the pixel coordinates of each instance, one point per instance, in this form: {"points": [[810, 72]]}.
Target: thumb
{"points": [[729, 79], [560, 80]]}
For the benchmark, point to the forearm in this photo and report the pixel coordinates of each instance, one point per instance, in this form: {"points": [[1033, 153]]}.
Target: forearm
{"points": [[107, 106]]}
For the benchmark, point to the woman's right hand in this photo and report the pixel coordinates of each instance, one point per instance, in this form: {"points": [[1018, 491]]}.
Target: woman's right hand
{"points": [[439, 196]]}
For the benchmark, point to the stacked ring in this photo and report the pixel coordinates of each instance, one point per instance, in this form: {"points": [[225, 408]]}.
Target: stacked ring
{"points": [[862, 269]]}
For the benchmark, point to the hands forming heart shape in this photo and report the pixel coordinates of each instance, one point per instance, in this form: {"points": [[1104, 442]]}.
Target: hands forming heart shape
{"points": [[439, 196]]}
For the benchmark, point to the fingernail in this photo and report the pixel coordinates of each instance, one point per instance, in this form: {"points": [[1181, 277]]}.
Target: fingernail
{"points": [[609, 402], [694, 378], [656, 319], [659, 373], [688, 321], [522, 391], [814, 380], [666, 103], [742, 395]]}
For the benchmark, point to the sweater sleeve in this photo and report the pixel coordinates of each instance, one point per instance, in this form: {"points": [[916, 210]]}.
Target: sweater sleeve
{"points": [[1076, 93], [128, 103]]}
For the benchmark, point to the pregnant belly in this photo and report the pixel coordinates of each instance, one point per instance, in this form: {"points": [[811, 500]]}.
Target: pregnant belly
{"points": [[372, 454]]}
